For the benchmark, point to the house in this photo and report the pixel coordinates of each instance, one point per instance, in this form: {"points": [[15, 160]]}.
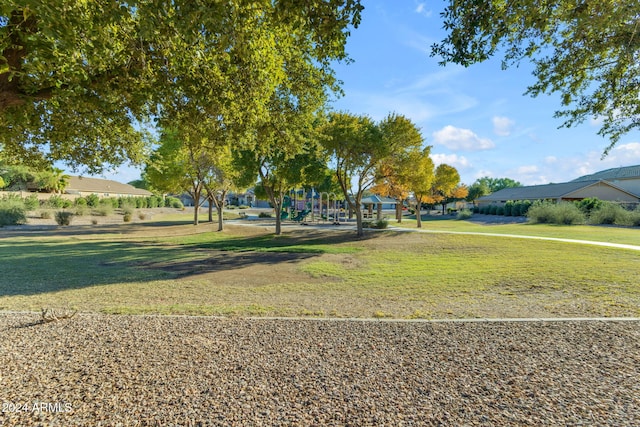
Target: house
{"points": [[567, 191], [627, 178], [84, 186]]}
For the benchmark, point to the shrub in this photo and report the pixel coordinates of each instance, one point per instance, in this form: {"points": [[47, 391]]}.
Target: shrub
{"points": [[500, 210], [541, 213], [568, 214], [81, 201], [63, 217], [55, 202], [12, 211], [589, 204], [103, 209], [493, 209], [127, 217], [264, 215], [521, 207], [92, 200], [173, 202], [243, 207], [611, 213], [508, 208], [142, 216], [31, 202], [563, 213], [635, 217], [45, 214], [81, 210], [380, 224], [464, 214]]}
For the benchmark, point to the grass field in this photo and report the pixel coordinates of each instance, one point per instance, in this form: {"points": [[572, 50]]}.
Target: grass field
{"points": [[176, 268]]}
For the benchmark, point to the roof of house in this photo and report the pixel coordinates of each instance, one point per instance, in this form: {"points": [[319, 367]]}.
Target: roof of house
{"points": [[534, 192], [103, 186], [626, 172], [375, 199]]}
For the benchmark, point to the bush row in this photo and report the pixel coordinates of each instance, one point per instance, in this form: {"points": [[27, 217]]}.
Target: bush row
{"points": [[511, 208], [587, 211], [574, 213], [14, 208]]}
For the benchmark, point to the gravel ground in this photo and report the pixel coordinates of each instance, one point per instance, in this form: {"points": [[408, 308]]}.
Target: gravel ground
{"points": [[123, 370]]}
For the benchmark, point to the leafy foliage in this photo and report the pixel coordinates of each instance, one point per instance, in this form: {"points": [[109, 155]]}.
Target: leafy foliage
{"points": [[79, 80], [587, 51], [12, 211]]}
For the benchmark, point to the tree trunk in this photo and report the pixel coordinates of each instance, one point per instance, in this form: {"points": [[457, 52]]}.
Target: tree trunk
{"points": [[419, 214], [399, 205], [359, 227], [219, 207], [278, 210], [196, 206], [210, 210]]}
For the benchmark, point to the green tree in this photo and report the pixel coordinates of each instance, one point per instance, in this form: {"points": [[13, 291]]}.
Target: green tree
{"points": [[358, 146], [77, 78], [392, 171], [587, 51], [445, 185], [171, 170], [477, 190], [419, 178], [497, 184]]}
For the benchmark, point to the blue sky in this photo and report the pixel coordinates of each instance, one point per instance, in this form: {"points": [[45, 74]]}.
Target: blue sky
{"points": [[477, 119]]}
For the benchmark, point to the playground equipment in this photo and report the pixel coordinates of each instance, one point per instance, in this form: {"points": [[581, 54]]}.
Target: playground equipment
{"points": [[336, 210], [301, 215]]}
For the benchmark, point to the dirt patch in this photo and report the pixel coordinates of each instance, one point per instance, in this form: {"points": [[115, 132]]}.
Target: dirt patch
{"points": [[252, 268]]}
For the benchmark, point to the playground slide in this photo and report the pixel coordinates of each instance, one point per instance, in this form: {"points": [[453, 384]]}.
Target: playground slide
{"points": [[301, 215]]}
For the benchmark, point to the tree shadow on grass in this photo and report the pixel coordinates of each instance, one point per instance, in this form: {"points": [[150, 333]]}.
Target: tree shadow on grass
{"points": [[36, 266]]}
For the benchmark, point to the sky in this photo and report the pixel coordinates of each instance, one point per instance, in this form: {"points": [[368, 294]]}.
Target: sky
{"points": [[476, 119]]}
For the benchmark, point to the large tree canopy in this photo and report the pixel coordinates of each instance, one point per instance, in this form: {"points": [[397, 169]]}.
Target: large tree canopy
{"points": [[587, 51], [78, 77]]}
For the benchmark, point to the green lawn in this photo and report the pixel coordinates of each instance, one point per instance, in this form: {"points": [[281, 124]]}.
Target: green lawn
{"points": [[612, 234], [182, 270]]}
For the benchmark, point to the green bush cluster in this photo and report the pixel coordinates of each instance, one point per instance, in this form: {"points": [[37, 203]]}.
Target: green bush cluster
{"points": [[563, 213], [613, 213], [12, 211], [510, 208], [63, 217], [464, 214], [379, 224], [173, 202]]}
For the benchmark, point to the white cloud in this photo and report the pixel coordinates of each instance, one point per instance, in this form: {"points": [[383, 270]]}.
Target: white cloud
{"points": [[422, 10], [461, 139], [502, 125], [550, 160], [458, 162], [527, 170]]}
